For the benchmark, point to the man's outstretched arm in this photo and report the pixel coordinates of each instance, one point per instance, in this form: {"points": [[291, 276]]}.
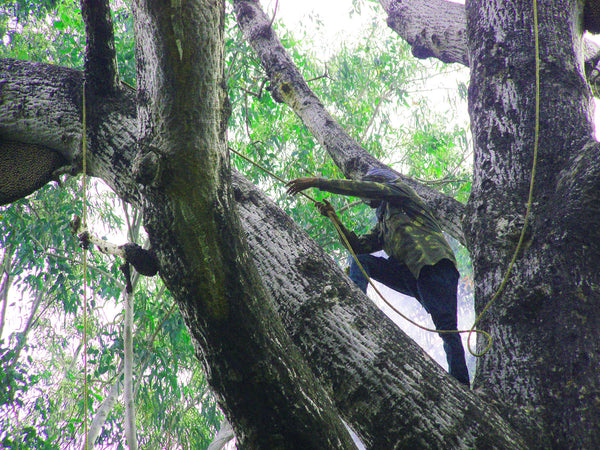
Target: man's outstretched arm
{"points": [[364, 189], [367, 243]]}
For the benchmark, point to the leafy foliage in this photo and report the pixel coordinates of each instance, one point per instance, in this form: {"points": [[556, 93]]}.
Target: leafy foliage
{"points": [[387, 100], [42, 384], [48, 389], [53, 31]]}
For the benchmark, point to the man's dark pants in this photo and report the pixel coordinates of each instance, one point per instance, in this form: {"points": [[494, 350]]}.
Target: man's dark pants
{"points": [[435, 289]]}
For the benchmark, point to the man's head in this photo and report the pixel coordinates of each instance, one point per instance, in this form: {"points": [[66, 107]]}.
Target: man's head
{"points": [[378, 175]]}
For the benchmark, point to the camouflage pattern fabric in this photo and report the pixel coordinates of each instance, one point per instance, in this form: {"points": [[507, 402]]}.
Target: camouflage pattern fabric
{"points": [[405, 229]]}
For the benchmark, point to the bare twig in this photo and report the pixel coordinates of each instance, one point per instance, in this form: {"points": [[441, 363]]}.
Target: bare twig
{"points": [[274, 13], [325, 75]]}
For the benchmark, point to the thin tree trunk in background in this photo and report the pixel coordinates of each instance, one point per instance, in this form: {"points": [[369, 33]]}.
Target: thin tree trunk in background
{"points": [[108, 403], [133, 231], [128, 397], [104, 409], [5, 284]]}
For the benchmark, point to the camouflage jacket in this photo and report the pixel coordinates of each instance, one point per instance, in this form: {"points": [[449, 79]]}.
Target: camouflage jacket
{"points": [[405, 228]]}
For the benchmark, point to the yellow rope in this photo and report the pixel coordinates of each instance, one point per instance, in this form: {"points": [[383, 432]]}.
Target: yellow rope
{"points": [[264, 169], [84, 214], [364, 272], [531, 182]]}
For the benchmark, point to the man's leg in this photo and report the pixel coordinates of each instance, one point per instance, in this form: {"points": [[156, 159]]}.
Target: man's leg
{"points": [[388, 271], [437, 286], [435, 290]]}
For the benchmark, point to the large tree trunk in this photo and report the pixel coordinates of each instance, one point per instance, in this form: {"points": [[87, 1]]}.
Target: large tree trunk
{"points": [[545, 359], [385, 386], [438, 29], [268, 393]]}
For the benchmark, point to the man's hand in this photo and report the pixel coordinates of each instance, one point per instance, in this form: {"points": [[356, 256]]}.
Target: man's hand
{"points": [[325, 208], [300, 184]]}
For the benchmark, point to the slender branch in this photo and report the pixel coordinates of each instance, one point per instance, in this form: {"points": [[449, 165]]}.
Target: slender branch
{"points": [[5, 284], [143, 260], [110, 400], [128, 400], [274, 13], [324, 75], [28, 325], [378, 104], [103, 410], [260, 89]]}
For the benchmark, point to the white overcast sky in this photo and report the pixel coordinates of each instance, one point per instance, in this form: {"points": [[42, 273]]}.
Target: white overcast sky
{"points": [[335, 15]]}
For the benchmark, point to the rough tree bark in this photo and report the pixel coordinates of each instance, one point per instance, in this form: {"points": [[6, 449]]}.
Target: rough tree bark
{"points": [[268, 393], [287, 86], [546, 356], [501, 98], [438, 29], [367, 363]]}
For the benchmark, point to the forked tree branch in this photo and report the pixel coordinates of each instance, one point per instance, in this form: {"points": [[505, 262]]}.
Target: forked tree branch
{"points": [[409, 395]]}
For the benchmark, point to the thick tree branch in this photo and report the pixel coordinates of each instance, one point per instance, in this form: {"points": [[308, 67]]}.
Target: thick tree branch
{"points": [[289, 87], [357, 353], [264, 386], [51, 104], [435, 28], [360, 355], [579, 191], [101, 70]]}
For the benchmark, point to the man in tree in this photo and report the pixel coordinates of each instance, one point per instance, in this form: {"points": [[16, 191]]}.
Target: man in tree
{"points": [[421, 264]]}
